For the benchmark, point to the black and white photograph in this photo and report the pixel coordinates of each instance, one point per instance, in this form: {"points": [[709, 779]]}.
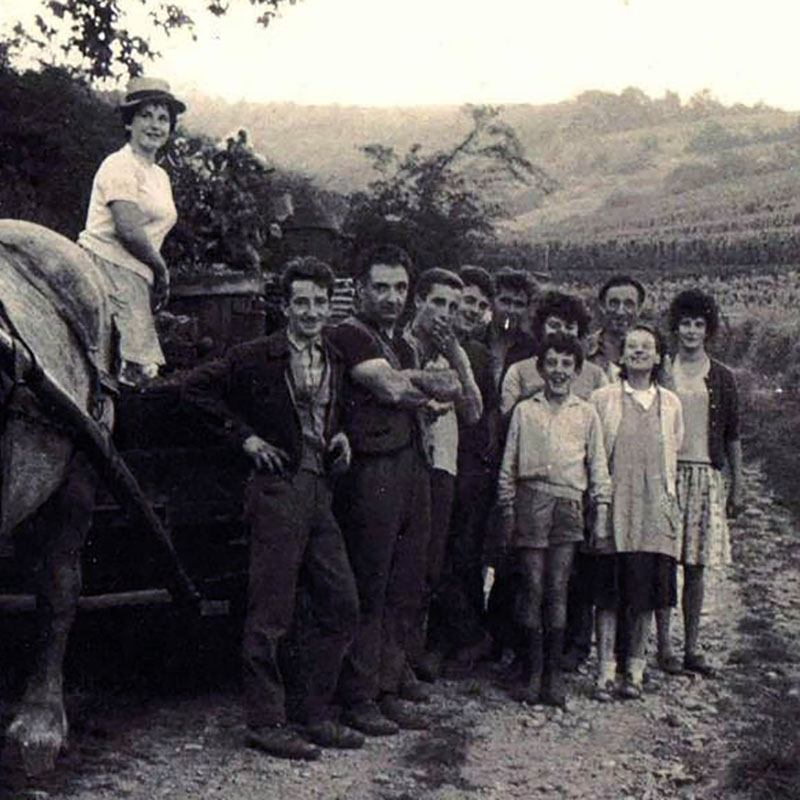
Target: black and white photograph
{"points": [[399, 401]]}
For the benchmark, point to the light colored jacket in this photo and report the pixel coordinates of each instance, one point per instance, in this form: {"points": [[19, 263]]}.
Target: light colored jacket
{"points": [[608, 402]]}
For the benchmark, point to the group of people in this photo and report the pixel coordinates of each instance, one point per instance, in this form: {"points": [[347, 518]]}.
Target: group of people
{"points": [[454, 422], [397, 454]]}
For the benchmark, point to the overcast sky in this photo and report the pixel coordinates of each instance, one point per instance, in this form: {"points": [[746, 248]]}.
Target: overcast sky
{"points": [[390, 52]]}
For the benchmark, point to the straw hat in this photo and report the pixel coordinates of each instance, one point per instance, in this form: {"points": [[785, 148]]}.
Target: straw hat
{"points": [[151, 90]]}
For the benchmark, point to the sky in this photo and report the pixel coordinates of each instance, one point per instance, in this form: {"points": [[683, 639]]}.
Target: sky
{"points": [[408, 52]]}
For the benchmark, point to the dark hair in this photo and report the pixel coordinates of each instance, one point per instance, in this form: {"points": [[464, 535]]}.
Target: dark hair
{"points": [[436, 275], [695, 304], [568, 307], [129, 112], [306, 268], [622, 280], [514, 279], [389, 254], [660, 348], [561, 343], [478, 276]]}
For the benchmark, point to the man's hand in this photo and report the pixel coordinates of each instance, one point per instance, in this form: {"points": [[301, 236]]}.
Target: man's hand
{"points": [[265, 455], [435, 408], [339, 454]]}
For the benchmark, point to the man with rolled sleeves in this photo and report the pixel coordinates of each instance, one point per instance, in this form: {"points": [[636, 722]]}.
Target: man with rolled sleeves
{"points": [[437, 302], [383, 503], [278, 400]]}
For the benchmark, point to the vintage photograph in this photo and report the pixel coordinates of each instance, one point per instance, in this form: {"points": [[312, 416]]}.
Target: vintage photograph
{"points": [[399, 401]]}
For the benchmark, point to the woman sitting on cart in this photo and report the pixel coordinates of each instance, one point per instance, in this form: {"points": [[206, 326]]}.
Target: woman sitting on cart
{"points": [[131, 210]]}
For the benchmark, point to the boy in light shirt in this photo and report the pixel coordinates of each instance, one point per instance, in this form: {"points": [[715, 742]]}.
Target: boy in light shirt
{"points": [[553, 454]]}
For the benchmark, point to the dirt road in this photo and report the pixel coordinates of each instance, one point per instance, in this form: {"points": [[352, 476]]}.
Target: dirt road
{"points": [[683, 740]]}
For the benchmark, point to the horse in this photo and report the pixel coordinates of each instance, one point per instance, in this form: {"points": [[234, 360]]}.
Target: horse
{"points": [[58, 365]]}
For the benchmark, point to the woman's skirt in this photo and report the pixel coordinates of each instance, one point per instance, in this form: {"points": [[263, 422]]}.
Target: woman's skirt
{"points": [[638, 581], [701, 500], [130, 305]]}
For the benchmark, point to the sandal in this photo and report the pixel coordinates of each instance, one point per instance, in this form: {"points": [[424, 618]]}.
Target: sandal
{"points": [[604, 692], [630, 690]]}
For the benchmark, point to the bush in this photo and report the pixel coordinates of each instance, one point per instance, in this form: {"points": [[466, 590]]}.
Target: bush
{"points": [[222, 193], [54, 132]]}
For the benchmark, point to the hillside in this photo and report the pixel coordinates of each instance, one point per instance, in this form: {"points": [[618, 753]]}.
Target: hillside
{"points": [[628, 166]]}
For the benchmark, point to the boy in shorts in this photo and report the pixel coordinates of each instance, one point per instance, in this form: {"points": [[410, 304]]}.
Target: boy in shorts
{"points": [[553, 454]]}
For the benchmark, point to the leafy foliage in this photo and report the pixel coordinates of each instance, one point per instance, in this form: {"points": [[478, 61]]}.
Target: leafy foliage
{"points": [[443, 206], [54, 133], [94, 37], [222, 192]]}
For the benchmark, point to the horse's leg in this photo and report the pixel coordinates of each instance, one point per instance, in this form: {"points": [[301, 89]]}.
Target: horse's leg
{"points": [[38, 731]]}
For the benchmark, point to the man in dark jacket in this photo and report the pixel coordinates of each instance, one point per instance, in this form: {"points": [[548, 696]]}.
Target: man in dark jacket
{"points": [[277, 399]]}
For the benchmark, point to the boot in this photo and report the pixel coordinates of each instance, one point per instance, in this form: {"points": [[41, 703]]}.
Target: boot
{"points": [[553, 690], [531, 687]]}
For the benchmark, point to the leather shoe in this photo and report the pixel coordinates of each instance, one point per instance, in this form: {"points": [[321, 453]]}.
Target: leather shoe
{"points": [[429, 667], [281, 742], [670, 664], [411, 689], [367, 718], [572, 659], [697, 664], [332, 734], [407, 719]]}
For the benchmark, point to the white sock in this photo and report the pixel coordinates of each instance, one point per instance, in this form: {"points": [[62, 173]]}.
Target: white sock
{"points": [[607, 672], [636, 669]]}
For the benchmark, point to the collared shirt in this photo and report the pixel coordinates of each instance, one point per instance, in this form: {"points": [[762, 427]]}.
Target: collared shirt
{"points": [[558, 446], [644, 397], [309, 384]]}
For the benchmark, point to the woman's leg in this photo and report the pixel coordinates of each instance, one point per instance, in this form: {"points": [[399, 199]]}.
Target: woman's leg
{"points": [[693, 590], [666, 658], [606, 622], [634, 673], [692, 606]]}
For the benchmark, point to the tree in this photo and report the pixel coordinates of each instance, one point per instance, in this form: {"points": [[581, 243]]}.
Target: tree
{"points": [[444, 206], [95, 38]]}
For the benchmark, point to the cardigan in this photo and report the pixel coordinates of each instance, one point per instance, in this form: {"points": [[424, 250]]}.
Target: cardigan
{"points": [[723, 408]]}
